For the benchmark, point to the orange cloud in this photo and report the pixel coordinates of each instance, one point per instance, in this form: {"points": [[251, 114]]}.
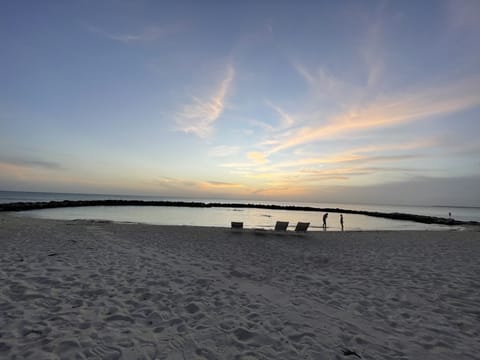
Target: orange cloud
{"points": [[257, 157], [219, 185], [392, 111]]}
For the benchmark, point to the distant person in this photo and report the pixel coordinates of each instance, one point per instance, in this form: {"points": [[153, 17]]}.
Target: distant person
{"points": [[450, 219], [325, 221], [341, 221]]}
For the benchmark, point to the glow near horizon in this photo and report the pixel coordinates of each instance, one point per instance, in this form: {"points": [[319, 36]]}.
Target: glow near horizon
{"points": [[345, 101]]}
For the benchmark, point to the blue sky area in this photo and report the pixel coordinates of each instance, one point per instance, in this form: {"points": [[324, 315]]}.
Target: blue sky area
{"points": [[330, 101]]}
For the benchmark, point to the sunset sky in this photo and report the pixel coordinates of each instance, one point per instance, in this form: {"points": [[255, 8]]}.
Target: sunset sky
{"points": [[329, 101]]}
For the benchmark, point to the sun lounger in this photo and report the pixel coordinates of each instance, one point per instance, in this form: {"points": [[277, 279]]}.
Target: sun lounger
{"points": [[281, 226], [302, 226], [237, 225]]}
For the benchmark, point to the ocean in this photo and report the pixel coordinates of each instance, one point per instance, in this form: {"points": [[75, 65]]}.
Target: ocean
{"points": [[221, 217]]}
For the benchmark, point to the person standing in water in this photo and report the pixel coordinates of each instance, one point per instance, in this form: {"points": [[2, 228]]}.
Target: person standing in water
{"points": [[341, 221], [325, 221]]}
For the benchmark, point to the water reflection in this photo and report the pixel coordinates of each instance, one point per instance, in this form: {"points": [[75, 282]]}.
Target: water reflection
{"points": [[222, 217]]}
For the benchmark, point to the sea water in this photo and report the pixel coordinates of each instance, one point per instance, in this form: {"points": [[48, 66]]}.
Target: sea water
{"points": [[221, 217]]}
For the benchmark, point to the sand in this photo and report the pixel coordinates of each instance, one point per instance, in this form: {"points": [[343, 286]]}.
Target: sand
{"points": [[99, 290]]}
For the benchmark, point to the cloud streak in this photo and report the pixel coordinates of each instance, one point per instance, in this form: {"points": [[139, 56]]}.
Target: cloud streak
{"points": [[367, 164], [224, 151], [286, 119], [30, 163], [325, 86], [199, 116], [147, 34], [392, 111], [369, 153]]}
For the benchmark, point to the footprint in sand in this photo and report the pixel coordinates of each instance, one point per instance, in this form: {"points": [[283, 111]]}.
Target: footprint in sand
{"points": [[176, 343], [165, 315], [227, 325], [103, 351], [67, 348], [243, 335], [192, 308], [120, 319]]}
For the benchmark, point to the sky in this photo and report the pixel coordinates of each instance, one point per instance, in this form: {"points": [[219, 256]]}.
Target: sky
{"points": [[308, 101]]}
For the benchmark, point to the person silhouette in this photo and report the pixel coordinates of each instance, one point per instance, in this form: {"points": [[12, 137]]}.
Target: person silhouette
{"points": [[341, 221], [325, 221]]}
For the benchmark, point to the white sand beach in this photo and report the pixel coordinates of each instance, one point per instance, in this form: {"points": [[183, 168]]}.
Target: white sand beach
{"points": [[99, 290]]}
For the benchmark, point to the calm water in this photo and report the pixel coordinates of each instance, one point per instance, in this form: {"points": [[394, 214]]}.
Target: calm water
{"points": [[222, 217]]}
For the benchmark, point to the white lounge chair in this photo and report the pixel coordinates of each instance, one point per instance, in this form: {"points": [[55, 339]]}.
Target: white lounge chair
{"points": [[237, 225], [302, 226], [281, 226]]}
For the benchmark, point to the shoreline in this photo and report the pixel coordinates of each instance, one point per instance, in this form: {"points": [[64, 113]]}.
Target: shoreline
{"points": [[260, 231], [246, 229], [83, 289], [24, 206]]}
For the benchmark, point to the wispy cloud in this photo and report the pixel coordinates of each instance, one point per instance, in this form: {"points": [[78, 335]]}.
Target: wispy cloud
{"points": [[365, 163], [372, 48], [307, 76], [325, 86], [147, 34], [24, 162], [263, 126], [238, 165], [171, 183], [187, 187], [360, 155], [224, 151], [372, 54], [392, 111], [212, 185], [257, 157], [199, 116], [27, 174], [347, 173], [346, 158], [286, 120]]}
